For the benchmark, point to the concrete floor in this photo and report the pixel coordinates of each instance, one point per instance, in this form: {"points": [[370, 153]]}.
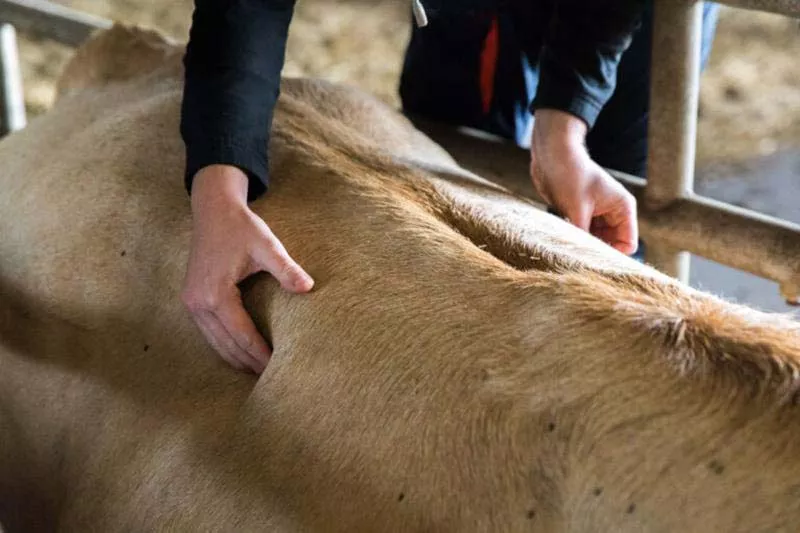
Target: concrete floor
{"points": [[770, 185]]}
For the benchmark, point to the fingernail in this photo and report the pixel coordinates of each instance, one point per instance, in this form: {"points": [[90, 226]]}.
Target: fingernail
{"points": [[263, 357], [303, 282]]}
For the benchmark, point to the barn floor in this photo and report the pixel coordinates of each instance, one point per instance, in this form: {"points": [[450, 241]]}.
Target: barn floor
{"points": [[749, 126]]}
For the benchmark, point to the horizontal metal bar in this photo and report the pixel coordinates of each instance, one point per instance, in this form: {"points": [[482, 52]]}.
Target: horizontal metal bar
{"points": [[12, 97], [790, 8], [51, 21], [739, 238]]}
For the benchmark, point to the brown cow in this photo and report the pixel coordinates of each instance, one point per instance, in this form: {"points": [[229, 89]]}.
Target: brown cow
{"points": [[465, 363]]}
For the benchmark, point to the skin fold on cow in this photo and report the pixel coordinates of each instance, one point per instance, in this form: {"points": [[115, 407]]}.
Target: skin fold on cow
{"points": [[465, 362]]}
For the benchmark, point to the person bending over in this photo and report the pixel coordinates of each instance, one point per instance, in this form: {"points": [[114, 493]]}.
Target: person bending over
{"points": [[568, 79]]}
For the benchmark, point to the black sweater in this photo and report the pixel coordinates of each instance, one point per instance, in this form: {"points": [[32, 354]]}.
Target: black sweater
{"points": [[236, 51]]}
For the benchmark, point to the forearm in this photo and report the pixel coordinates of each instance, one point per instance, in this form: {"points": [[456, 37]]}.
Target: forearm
{"points": [[233, 62], [579, 59]]}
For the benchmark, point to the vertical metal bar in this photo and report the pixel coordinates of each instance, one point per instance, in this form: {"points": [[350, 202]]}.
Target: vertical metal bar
{"points": [[671, 261], [12, 98], [674, 89]]}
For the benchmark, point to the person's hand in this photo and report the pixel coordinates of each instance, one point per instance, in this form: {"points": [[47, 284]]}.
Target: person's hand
{"points": [[229, 243], [567, 178]]}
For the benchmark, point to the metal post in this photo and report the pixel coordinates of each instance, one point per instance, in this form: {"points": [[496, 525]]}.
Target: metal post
{"points": [[51, 20], [12, 98], [671, 261], [675, 73]]}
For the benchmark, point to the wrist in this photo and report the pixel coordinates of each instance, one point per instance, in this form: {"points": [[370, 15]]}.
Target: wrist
{"points": [[558, 129], [219, 184]]}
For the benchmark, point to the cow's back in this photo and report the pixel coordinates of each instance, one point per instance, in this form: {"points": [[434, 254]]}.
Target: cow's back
{"points": [[120, 416], [465, 362]]}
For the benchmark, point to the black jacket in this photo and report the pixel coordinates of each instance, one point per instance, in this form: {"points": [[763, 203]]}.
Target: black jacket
{"points": [[236, 51]]}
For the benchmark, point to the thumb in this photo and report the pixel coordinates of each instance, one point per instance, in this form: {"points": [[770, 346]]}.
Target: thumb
{"points": [[272, 257]]}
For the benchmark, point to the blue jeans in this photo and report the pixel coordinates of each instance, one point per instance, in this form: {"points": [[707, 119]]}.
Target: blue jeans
{"points": [[440, 81]]}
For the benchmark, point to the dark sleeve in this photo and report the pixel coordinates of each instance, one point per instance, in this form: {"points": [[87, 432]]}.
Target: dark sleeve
{"points": [[232, 65], [579, 58]]}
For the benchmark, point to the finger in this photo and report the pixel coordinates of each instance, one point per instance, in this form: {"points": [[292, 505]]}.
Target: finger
{"points": [[624, 219], [208, 333], [273, 257], [200, 313], [228, 348], [240, 327], [615, 237], [580, 214], [619, 228]]}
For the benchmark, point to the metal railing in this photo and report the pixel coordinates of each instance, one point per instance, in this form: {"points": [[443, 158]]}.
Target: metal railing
{"points": [[12, 98], [673, 220], [674, 88], [51, 21]]}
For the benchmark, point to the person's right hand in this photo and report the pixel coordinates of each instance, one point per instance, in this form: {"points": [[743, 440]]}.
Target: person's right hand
{"points": [[568, 179], [230, 243]]}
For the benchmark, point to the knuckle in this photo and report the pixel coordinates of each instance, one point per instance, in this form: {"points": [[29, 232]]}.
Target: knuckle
{"points": [[210, 301], [246, 343], [242, 339], [226, 347], [270, 247], [289, 269], [230, 347], [631, 204], [196, 301], [282, 266]]}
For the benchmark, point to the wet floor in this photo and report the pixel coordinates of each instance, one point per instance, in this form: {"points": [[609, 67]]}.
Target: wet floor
{"points": [[770, 185]]}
